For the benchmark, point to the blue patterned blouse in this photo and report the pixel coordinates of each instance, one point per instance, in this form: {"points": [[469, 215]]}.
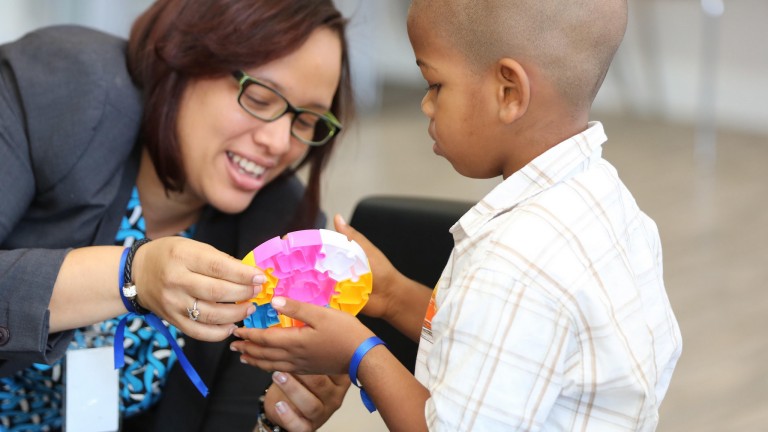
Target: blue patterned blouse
{"points": [[31, 400]]}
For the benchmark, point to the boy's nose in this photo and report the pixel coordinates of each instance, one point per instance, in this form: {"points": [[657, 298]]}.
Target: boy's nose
{"points": [[427, 105]]}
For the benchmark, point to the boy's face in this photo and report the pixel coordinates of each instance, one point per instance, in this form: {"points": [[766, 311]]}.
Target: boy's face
{"points": [[459, 103]]}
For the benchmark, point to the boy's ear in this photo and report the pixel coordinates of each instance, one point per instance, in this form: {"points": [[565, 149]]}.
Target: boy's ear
{"points": [[514, 90]]}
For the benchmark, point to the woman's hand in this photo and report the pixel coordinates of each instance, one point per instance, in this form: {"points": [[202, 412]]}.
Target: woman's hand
{"points": [[174, 275], [304, 402], [324, 345]]}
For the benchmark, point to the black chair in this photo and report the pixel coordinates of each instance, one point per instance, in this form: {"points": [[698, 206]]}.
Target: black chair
{"points": [[413, 234]]}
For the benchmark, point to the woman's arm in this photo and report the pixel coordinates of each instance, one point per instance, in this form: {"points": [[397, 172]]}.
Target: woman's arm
{"points": [[170, 274]]}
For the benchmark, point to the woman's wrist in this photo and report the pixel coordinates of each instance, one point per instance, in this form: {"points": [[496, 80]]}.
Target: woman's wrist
{"points": [[263, 424], [128, 290]]}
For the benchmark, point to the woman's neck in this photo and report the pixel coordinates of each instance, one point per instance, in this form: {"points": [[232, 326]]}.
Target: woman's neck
{"points": [[165, 214]]}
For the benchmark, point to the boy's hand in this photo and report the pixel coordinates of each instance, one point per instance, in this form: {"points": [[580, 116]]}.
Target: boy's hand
{"points": [[323, 346], [384, 273]]}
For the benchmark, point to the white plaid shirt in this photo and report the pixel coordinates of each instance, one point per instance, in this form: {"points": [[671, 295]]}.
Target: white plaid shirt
{"points": [[551, 313]]}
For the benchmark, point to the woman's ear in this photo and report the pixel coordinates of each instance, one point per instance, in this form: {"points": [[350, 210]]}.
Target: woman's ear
{"points": [[514, 90]]}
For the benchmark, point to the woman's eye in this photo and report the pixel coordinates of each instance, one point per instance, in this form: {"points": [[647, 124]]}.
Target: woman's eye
{"points": [[255, 101]]}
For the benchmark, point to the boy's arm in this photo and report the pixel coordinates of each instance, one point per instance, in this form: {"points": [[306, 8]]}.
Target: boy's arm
{"points": [[325, 345], [398, 396], [401, 301]]}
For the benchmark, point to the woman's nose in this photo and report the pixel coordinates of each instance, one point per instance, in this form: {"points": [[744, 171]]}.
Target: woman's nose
{"points": [[275, 136]]}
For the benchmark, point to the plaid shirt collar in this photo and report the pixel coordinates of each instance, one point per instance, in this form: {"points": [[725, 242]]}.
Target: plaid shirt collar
{"points": [[558, 164]]}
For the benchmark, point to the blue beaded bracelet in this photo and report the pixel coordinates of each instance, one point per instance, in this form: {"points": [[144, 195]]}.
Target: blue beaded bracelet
{"points": [[354, 364]]}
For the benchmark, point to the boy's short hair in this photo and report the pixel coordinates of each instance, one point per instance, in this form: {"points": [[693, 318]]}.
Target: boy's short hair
{"points": [[572, 42]]}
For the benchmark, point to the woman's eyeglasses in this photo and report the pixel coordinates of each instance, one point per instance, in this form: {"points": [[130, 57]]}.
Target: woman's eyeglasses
{"points": [[265, 103]]}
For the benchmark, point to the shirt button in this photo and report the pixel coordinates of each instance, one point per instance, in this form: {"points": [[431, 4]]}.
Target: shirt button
{"points": [[5, 336]]}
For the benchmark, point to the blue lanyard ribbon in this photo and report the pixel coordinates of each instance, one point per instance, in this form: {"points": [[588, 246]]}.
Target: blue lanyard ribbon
{"points": [[156, 323]]}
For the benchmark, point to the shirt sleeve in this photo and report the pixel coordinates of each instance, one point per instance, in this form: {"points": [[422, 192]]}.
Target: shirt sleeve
{"points": [[27, 276], [507, 345]]}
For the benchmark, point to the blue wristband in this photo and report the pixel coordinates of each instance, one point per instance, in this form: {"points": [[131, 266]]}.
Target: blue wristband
{"points": [[157, 324], [354, 364]]}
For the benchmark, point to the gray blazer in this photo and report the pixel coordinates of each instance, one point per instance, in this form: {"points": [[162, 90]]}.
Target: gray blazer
{"points": [[69, 120]]}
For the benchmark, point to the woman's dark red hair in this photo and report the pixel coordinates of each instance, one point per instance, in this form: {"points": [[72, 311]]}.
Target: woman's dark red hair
{"points": [[176, 41]]}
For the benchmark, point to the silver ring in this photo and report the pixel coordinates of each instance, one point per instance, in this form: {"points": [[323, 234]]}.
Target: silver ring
{"points": [[193, 312]]}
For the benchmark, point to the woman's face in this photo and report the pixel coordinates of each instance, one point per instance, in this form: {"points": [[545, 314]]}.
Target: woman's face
{"points": [[229, 155]]}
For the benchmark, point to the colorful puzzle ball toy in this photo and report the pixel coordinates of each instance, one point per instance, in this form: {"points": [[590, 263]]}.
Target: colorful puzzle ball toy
{"points": [[315, 266]]}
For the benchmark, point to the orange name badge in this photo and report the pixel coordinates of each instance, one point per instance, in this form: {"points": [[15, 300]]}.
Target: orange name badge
{"points": [[431, 310]]}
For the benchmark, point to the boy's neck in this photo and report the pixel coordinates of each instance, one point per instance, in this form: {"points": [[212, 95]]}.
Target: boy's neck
{"points": [[532, 135]]}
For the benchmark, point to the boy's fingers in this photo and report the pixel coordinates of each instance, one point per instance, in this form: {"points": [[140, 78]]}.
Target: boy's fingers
{"points": [[341, 226], [304, 312]]}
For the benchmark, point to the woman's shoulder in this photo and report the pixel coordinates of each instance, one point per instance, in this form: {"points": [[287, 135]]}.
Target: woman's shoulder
{"points": [[69, 85], [66, 41], [64, 59], [65, 52]]}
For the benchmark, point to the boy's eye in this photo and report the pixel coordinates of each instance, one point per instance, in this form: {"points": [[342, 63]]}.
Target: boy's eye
{"points": [[433, 87]]}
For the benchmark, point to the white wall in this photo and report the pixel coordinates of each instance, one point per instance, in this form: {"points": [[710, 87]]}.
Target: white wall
{"points": [[679, 63], [114, 16], [675, 63]]}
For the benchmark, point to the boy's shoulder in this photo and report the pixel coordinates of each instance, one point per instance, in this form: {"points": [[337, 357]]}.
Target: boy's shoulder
{"points": [[565, 226]]}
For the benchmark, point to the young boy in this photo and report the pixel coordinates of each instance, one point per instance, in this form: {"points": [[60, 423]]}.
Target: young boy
{"points": [[551, 313]]}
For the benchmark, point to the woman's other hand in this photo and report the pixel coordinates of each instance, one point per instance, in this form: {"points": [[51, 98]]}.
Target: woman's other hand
{"points": [[304, 402]]}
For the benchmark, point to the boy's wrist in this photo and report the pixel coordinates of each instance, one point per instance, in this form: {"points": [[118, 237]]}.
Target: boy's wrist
{"points": [[395, 296], [357, 359]]}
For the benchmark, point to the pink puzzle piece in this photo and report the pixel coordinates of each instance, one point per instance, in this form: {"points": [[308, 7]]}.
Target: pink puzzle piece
{"points": [[319, 266]]}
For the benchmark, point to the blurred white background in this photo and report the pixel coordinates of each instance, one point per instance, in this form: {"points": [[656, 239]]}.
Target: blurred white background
{"points": [[675, 62], [685, 107]]}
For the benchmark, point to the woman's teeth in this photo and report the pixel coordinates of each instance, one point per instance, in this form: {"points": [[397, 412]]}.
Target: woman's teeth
{"points": [[246, 166]]}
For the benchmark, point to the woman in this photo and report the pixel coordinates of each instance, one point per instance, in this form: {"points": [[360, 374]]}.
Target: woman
{"points": [[192, 142]]}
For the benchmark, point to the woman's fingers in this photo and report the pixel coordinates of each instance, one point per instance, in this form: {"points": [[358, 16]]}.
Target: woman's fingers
{"points": [[196, 268], [224, 279], [218, 313], [206, 332], [307, 403], [195, 287], [279, 409], [304, 402]]}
